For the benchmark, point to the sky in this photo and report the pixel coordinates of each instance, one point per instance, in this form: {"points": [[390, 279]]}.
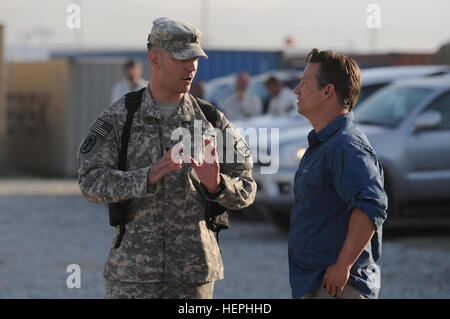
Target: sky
{"points": [[396, 25]]}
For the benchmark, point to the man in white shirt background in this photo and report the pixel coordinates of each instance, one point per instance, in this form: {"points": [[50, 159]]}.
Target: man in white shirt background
{"points": [[131, 82], [281, 99], [242, 104]]}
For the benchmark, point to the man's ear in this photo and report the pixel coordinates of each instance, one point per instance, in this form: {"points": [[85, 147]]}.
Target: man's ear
{"points": [[329, 90], [153, 57]]}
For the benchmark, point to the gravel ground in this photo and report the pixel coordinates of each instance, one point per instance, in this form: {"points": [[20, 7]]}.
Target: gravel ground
{"points": [[41, 235]]}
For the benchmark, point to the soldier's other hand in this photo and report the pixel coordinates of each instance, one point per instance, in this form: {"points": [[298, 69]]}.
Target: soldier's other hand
{"points": [[168, 163], [208, 171]]}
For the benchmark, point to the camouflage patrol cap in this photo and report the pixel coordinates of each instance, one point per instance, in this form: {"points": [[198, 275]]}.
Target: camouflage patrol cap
{"points": [[179, 38]]}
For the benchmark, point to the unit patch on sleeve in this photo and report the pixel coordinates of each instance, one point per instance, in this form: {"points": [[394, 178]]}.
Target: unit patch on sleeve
{"points": [[88, 144]]}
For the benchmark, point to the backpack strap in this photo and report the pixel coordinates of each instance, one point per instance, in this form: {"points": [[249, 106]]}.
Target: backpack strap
{"points": [[209, 111], [212, 116], [132, 103]]}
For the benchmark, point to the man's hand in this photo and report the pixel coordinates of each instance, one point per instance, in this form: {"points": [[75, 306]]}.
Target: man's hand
{"points": [[165, 165], [208, 172], [360, 231], [335, 279]]}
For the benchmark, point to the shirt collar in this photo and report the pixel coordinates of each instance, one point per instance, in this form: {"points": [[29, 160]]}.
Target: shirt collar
{"points": [[329, 130], [148, 109]]}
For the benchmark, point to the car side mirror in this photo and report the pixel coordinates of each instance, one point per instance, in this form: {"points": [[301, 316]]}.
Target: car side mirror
{"points": [[428, 120]]}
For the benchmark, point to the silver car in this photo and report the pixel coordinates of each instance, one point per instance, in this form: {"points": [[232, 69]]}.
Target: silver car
{"points": [[408, 125]]}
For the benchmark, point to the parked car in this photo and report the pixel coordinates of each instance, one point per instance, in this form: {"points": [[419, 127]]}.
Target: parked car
{"points": [[373, 79], [407, 124]]}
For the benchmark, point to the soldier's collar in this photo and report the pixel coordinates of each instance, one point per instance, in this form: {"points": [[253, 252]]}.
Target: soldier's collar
{"points": [[187, 108], [148, 108], [184, 113]]}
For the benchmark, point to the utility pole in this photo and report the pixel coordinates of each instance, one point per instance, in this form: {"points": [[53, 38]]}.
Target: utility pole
{"points": [[2, 97], [204, 24], [373, 40]]}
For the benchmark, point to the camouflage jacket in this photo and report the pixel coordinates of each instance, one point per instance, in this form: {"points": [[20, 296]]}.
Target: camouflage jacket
{"points": [[166, 238]]}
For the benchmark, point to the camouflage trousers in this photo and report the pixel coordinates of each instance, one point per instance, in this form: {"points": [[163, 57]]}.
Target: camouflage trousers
{"points": [[158, 290]]}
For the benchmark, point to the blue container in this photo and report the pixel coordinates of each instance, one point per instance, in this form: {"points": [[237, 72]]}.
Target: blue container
{"points": [[223, 62]]}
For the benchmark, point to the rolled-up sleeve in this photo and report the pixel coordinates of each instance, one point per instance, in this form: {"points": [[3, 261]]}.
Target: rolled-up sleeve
{"points": [[238, 192], [358, 178], [238, 185]]}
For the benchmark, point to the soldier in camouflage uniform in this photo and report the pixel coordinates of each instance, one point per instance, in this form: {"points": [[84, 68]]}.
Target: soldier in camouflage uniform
{"points": [[167, 250]]}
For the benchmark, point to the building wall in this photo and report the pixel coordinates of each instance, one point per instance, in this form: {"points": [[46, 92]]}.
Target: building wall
{"points": [[442, 56], [34, 129], [49, 109]]}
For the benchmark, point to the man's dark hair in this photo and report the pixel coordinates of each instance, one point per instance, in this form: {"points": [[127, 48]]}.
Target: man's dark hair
{"points": [[339, 70], [130, 64], [272, 80]]}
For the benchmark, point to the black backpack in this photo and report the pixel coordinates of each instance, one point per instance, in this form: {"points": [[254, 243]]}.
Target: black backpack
{"points": [[216, 216]]}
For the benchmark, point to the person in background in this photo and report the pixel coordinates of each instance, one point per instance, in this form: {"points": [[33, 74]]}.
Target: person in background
{"points": [[131, 82], [281, 99], [242, 104]]}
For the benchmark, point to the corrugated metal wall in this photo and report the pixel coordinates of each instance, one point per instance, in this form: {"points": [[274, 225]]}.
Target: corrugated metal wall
{"points": [[90, 82]]}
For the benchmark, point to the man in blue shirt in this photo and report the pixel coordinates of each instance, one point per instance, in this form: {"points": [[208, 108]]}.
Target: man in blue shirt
{"points": [[340, 204]]}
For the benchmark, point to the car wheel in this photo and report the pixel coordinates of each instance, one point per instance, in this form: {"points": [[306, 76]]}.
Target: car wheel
{"points": [[393, 211]]}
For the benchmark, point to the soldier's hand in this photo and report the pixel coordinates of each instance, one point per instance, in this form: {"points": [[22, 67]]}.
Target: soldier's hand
{"points": [[208, 171], [166, 164]]}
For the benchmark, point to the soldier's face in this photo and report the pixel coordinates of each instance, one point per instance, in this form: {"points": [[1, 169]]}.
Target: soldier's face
{"points": [[177, 75]]}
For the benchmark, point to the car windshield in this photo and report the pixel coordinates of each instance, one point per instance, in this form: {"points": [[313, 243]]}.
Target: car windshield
{"points": [[367, 91], [390, 106]]}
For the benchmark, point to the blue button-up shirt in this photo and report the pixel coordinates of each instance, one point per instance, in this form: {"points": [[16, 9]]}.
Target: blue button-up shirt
{"points": [[338, 173]]}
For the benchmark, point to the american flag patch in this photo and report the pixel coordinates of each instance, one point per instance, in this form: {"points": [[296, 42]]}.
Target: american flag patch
{"points": [[101, 127]]}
